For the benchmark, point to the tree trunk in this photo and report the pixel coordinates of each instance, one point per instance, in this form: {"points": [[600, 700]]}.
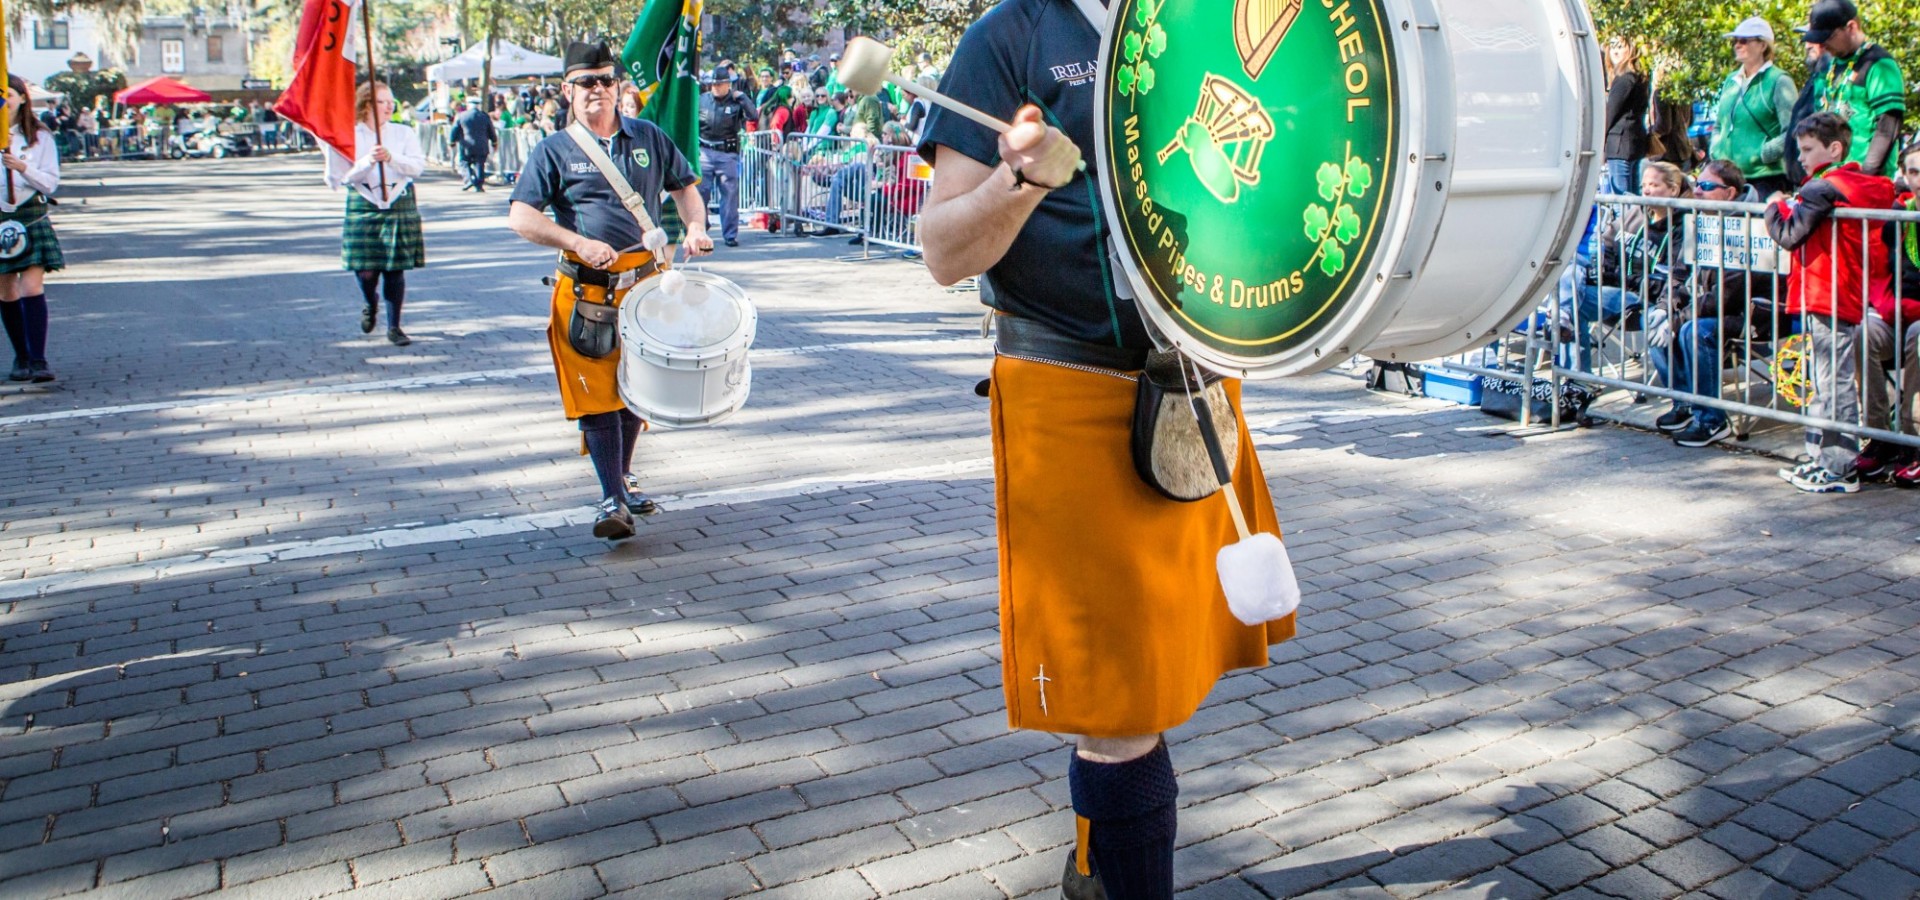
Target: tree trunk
{"points": [[486, 65]]}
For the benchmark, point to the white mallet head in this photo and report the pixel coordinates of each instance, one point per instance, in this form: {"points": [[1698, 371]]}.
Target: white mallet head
{"points": [[655, 240], [865, 64], [673, 283], [1257, 577]]}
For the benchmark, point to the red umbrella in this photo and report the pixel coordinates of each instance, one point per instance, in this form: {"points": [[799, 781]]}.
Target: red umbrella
{"points": [[162, 91]]}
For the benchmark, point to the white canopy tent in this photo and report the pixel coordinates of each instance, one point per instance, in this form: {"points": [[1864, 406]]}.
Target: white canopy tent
{"points": [[510, 60]]}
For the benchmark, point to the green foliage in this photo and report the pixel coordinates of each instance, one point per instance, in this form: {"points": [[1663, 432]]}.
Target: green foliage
{"points": [[1683, 46], [82, 88]]}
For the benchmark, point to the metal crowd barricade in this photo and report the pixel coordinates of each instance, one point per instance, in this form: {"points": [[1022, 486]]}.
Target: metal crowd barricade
{"points": [[1711, 328], [822, 180], [509, 155], [891, 215], [763, 178]]}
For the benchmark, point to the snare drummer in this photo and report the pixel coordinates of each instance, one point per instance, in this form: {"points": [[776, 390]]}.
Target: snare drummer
{"points": [[601, 255], [1121, 626]]}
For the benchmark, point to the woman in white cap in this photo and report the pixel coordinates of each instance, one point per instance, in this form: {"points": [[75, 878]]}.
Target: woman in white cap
{"points": [[1754, 110]]}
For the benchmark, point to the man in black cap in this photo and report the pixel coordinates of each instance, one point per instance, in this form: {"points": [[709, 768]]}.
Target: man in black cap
{"points": [[474, 134], [602, 257], [724, 114], [1860, 82]]}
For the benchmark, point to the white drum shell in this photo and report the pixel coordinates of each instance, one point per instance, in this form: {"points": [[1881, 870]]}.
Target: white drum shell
{"points": [[685, 387]]}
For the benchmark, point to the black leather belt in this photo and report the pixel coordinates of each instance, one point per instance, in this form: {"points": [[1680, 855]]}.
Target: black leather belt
{"points": [[1014, 336], [602, 278]]}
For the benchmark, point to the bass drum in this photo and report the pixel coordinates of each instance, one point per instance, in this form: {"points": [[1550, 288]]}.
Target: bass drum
{"points": [[1290, 183], [683, 358]]}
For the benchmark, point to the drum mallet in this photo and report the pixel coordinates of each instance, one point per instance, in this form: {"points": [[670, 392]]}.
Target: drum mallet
{"points": [[866, 64], [1255, 572]]}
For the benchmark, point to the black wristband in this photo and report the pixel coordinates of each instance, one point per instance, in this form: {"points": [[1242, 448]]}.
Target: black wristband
{"points": [[1021, 180]]}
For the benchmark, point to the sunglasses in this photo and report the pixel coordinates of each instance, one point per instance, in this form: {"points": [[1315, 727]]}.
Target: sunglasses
{"points": [[1707, 186], [1743, 40], [590, 82]]}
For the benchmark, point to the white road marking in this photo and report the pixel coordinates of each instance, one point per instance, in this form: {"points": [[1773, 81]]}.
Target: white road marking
{"points": [[390, 538], [420, 381]]}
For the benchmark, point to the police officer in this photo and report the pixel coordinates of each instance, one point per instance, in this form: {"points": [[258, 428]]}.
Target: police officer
{"points": [[474, 133], [601, 259], [724, 114]]}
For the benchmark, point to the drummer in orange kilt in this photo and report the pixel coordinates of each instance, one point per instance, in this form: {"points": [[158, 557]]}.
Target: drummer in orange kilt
{"points": [[568, 173], [1113, 623]]}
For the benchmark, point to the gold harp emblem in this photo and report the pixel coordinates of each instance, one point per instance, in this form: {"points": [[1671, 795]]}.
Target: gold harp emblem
{"points": [[1258, 26]]}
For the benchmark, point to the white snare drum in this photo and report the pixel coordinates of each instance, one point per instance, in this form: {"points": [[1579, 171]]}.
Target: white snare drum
{"points": [[683, 360]]}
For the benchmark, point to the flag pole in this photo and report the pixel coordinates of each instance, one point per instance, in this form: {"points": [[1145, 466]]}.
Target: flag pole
{"points": [[373, 87]]}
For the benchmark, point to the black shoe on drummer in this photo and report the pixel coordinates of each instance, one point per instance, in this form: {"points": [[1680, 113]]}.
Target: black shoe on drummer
{"points": [[637, 499], [615, 522]]}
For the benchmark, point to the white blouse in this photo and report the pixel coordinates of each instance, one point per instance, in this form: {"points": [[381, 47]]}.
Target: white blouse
{"points": [[43, 170], [364, 175]]}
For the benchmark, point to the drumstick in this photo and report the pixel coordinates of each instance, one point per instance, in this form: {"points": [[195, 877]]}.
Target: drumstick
{"points": [[866, 64]]}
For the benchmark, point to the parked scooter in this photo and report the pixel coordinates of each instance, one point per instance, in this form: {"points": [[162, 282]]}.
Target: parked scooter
{"points": [[208, 142]]}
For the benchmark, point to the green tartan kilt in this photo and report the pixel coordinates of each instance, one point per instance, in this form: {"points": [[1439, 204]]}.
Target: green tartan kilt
{"points": [[43, 248], [382, 240]]}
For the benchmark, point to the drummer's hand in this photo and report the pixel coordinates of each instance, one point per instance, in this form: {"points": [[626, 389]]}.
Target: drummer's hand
{"points": [[1038, 150], [697, 243], [596, 253], [380, 155], [13, 162]]}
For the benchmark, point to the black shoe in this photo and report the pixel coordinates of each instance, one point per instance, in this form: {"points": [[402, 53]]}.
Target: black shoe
{"points": [[481, 188], [637, 499], [38, 372], [1699, 435], [1675, 419], [398, 338], [366, 319], [615, 522], [467, 187], [732, 242], [857, 240], [1075, 886], [20, 370]]}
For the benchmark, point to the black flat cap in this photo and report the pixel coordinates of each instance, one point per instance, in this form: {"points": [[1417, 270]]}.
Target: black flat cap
{"points": [[584, 55]]}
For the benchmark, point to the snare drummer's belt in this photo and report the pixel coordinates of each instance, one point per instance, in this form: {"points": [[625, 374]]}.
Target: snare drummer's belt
{"points": [[582, 274], [1029, 339]]}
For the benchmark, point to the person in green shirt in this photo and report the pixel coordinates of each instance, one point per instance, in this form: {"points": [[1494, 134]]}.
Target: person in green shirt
{"points": [[869, 111], [1861, 83], [1754, 110]]}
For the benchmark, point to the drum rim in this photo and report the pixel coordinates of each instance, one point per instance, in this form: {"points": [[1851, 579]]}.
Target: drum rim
{"points": [[739, 340]]}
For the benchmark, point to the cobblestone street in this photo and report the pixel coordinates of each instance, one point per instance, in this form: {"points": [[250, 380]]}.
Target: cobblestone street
{"points": [[288, 612]]}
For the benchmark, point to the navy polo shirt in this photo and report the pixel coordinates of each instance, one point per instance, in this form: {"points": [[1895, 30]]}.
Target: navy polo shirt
{"points": [[1041, 52], [559, 175]]}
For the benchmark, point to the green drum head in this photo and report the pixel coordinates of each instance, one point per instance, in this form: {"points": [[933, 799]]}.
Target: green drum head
{"points": [[1252, 246]]}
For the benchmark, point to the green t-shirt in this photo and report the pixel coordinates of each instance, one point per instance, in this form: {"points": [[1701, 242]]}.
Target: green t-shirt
{"points": [[1884, 91]]}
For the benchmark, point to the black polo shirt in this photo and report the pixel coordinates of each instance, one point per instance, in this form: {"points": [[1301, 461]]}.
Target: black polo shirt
{"points": [[1041, 52], [559, 175], [722, 119]]}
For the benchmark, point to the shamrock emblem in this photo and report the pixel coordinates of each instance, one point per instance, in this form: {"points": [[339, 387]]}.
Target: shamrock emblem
{"points": [[1138, 49], [1334, 229]]}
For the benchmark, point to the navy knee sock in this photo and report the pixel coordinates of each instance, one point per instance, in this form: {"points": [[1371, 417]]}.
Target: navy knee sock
{"points": [[33, 313], [602, 431], [369, 287], [396, 291], [16, 323], [629, 438], [1130, 809]]}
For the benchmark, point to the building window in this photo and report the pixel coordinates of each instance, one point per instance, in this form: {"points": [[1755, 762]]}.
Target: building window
{"points": [[215, 52], [49, 35], [173, 56]]}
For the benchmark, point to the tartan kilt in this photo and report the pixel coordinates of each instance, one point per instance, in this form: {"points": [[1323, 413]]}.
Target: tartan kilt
{"points": [[43, 249], [382, 240]]}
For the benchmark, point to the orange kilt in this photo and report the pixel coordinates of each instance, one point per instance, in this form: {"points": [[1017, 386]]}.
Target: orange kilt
{"points": [[587, 386], [1106, 587]]}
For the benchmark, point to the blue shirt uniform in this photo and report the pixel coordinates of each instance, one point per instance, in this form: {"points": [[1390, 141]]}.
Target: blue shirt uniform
{"points": [[1041, 52], [722, 119], [558, 174]]}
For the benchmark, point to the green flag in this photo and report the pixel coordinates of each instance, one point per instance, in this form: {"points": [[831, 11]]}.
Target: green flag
{"points": [[663, 59]]}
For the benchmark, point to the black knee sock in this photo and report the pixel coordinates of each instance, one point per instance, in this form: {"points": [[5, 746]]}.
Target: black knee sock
{"points": [[629, 438], [602, 431], [16, 322], [33, 314], [396, 290], [1130, 807], [369, 288]]}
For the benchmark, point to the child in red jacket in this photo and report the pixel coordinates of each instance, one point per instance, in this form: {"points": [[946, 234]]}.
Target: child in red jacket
{"points": [[1828, 288]]}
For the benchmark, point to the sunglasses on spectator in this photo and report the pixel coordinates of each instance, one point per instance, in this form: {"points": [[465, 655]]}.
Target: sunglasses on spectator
{"points": [[589, 82], [1745, 40], [1707, 186]]}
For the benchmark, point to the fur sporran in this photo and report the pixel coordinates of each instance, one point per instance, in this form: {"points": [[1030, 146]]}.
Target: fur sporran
{"points": [[1168, 452]]}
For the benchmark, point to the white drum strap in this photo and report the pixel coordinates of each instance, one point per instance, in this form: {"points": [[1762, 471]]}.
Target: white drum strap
{"points": [[629, 198], [1095, 13]]}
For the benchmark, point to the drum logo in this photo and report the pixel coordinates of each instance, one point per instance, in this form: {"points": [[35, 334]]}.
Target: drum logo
{"points": [[1248, 187], [13, 239]]}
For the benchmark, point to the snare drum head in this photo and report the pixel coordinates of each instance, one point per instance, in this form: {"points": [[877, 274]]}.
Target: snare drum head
{"points": [[1249, 155], [709, 313]]}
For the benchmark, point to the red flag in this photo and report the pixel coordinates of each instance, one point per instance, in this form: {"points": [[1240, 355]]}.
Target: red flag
{"points": [[320, 98]]}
